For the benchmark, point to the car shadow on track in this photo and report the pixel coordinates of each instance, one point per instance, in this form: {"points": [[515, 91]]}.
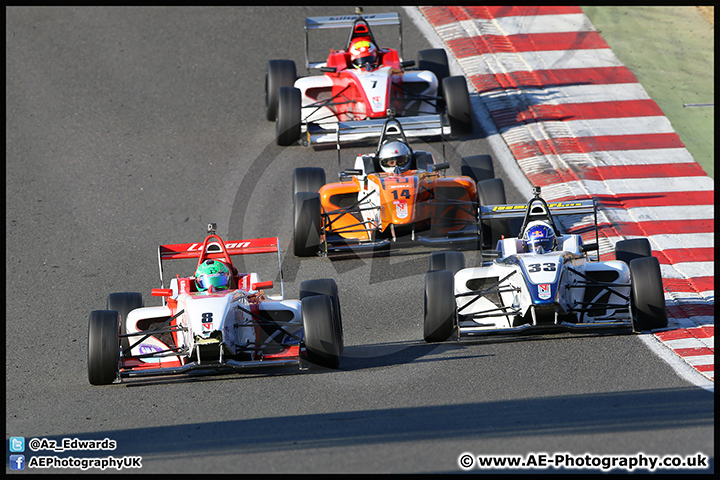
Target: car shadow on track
{"points": [[377, 355], [613, 413]]}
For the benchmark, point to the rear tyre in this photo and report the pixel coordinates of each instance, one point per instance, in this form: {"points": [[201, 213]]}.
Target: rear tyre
{"points": [[124, 303], [459, 109], [280, 73], [450, 261], [307, 226], [440, 306], [478, 167], [308, 179], [628, 250], [436, 61], [103, 347], [647, 297], [287, 123], [321, 347], [326, 286]]}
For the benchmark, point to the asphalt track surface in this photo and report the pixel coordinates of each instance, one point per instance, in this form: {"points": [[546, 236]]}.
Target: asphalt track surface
{"points": [[132, 127]]}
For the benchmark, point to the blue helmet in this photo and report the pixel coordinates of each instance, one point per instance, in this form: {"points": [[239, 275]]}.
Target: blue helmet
{"points": [[539, 237]]}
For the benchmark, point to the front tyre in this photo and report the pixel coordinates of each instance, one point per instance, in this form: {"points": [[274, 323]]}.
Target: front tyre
{"points": [[319, 330], [440, 307], [478, 167], [647, 296], [103, 347], [453, 261], [492, 192], [628, 250], [124, 303], [287, 123], [326, 286], [307, 213]]}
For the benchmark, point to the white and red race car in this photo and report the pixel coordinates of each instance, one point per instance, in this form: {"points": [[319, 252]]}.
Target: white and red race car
{"points": [[233, 329], [356, 99]]}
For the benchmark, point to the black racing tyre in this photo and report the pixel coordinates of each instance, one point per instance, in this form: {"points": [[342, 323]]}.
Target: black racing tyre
{"points": [[308, 179], [280, 73], [478, 167], [647, 295], [124, 303], [319, 330], [452, 261], [440, 306], [307, 224], [628, 250], [287, 123], [326, 286], [492, 192], [436, 61], [459, 108], [103, 347]]}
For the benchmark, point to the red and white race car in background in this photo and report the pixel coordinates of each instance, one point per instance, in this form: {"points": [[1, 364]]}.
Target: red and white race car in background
{"points": [[215, 330], [357, 98]]}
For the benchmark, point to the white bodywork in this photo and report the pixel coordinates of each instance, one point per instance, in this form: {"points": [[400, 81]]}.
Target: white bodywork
{"points": [[541, 289], [376, 85], [215, 324]]}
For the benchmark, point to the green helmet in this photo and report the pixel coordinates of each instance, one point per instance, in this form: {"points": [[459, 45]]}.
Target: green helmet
{"points": [[212, 273]]}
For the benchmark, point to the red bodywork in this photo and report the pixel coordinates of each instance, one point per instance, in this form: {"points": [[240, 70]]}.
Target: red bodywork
{"points": [[212, 248]]}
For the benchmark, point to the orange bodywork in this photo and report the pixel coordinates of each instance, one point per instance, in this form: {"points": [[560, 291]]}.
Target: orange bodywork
{"points": [[410, 198]]}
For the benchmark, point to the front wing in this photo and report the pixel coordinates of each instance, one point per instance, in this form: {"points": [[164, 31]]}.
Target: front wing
{"points": [[136, 368]]}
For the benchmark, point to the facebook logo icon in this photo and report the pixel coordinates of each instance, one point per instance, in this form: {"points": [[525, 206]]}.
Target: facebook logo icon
{"points": [[17, 462]]}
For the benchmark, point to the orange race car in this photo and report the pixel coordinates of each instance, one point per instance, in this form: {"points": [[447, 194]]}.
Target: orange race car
{"points": [[394, 194]]}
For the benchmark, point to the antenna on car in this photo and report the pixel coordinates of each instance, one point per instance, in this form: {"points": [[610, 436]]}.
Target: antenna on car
{"points": [[212, 228]]}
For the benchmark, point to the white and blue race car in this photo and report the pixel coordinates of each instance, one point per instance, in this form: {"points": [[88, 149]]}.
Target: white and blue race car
{"points": [[561, 288]]}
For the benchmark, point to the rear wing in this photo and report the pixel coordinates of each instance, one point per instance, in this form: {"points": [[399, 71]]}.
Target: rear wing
{"points": [[220, 250], [348, 133], [347, 21], [575, 207], [537, 208]]}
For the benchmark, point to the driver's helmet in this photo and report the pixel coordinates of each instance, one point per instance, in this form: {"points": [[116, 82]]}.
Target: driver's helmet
{"points": [[394, 157], [363, 54], [539, 237], [212, 273]]}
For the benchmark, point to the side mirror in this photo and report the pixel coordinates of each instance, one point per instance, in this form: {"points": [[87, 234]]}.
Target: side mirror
{"points": [[440, 166], [161, 292], [589, 247], [328, 69], [262, 285], [407, 63]]}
